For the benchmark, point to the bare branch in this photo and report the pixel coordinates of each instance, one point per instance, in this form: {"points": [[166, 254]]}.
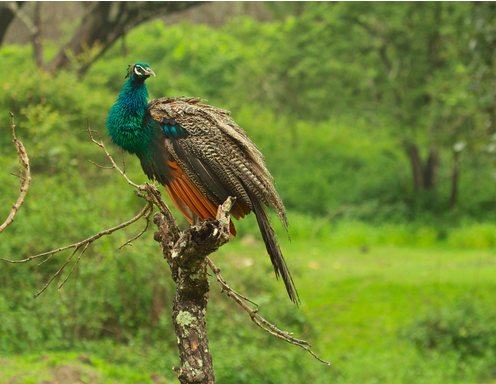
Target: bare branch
{"points": [[44, 261], [147, 217], [259, 320], [58, 272], [152, 198], [25, 180], [114, 165], [74, 266], [81, 243], [100, 166], [16, 9]]}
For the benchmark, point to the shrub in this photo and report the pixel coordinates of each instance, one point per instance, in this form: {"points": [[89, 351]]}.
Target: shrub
{"points": [[468, 328]]}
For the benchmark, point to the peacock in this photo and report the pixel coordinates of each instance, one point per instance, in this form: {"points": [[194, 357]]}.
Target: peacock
{"points": [[201, 157]]}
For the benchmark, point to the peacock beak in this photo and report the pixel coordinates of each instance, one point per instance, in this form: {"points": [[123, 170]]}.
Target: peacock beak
{"points": [[149, 71]]}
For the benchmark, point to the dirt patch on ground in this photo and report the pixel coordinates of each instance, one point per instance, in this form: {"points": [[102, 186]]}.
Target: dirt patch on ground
{"points": [[4, 362], [71, 374], [80, 371]]}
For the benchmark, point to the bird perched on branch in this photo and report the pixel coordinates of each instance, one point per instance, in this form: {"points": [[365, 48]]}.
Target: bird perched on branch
{"points": [[201, 157]]}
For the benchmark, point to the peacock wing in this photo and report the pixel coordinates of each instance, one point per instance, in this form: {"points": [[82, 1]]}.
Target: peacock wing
{"points": [[219, 159], [215, 153]]}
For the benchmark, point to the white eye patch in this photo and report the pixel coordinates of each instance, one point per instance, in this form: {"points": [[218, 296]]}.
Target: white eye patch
{"points": [[136, 69]]}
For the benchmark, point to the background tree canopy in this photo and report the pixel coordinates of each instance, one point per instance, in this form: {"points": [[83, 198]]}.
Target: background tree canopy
{"points": [[377, 121], [408, 80]]}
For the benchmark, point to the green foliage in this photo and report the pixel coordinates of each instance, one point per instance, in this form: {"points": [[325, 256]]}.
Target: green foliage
{"points": [[318, 86], [473, 235], [50, 113], [313, 91], [468, 328]]}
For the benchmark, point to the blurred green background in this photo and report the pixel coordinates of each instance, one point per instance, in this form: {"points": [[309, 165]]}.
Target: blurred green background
{"points": [[377, 121]]}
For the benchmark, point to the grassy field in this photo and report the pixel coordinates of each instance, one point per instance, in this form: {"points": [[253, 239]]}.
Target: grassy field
{"points": [[363, 309]]}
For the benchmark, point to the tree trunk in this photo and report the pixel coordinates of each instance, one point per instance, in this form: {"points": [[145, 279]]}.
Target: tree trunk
{"points": [[188, 316], [435, 37], [425, 176], [186, 254], [431, 169], [416, 164], [454, 179]]}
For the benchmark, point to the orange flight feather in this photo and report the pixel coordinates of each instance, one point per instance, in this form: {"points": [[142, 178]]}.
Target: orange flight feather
{"points": [[184, 194]]}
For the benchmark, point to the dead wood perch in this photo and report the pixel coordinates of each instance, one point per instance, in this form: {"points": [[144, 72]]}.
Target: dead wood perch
{"points": [[186, 255]]}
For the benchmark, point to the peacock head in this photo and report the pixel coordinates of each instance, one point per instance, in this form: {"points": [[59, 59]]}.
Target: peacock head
{"points": [[139, 72]]}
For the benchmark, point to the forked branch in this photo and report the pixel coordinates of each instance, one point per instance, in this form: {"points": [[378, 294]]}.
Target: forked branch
{"points": [[257, 319], [76, 246]]}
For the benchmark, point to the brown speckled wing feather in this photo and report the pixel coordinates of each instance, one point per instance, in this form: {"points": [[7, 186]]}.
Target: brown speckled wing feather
{"points": [[219, 160]]}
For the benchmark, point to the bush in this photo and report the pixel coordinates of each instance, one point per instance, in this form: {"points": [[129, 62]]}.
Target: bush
{"points": [[468, 328]]}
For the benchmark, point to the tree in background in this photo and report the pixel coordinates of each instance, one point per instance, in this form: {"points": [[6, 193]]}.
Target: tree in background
{"points": [[420, 74], [413, 69], [103, 23]]}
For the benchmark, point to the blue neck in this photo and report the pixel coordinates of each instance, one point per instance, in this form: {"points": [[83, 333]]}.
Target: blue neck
{"points": [[125, 121]]}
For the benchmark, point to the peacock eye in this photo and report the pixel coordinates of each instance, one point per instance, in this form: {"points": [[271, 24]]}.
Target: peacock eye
{"points": [[138, 69]]}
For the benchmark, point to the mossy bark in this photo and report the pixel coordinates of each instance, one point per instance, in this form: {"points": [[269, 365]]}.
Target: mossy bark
{"points": [[186, 254]]}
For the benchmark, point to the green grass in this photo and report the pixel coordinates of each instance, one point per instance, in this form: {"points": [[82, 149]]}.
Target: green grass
{"points": [[367, 296], [71, 367], [357, 304], [357, 300]]}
